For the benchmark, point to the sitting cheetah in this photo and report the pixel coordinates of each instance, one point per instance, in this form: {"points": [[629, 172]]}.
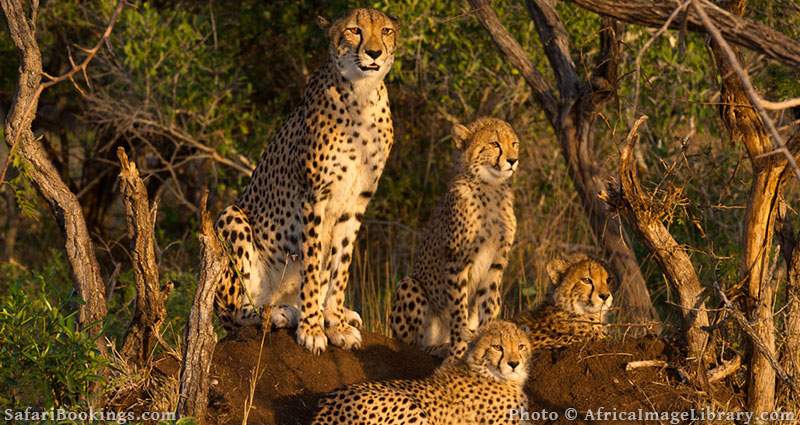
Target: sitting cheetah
{"points": [[484, 387], [454, 286], [293, 228], [578, 306]]}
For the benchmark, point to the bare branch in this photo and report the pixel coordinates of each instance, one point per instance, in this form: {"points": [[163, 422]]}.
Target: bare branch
{"points": [[777, 140], [516, 55], [743, 32]]}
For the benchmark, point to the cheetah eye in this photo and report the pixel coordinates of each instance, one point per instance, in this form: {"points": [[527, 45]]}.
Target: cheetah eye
{"points": [[523, 347], [387, 31], [497, 348], [354, 30], [588, 281], [496, 144]]}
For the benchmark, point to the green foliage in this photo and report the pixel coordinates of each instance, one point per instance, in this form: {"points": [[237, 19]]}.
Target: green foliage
{"points": [[46, 361]]}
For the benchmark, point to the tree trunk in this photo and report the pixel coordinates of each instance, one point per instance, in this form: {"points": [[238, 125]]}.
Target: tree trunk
{"points": [[150, 310], [746, 127], [571, 117], [632, 201], [38, 167], [199, 336]]}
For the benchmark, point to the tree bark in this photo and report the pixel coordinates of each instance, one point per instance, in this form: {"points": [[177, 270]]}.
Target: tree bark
{"points": [[631, 199], [150, 309], [38, 167], [746, 127], [572, 116], [743, 32], [199, 336]]}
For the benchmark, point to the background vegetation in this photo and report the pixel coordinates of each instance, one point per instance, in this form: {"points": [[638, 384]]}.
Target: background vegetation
{"points": [[195, 90]]}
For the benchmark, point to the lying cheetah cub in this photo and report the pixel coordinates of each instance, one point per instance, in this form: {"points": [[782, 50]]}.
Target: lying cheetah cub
{"points": [[578, 307], [454, 286], [482, 388]]}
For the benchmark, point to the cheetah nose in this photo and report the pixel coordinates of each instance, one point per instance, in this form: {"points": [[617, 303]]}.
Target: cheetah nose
{"points": [[513, 364], [604, 296], [511, 162], [374, 54]]}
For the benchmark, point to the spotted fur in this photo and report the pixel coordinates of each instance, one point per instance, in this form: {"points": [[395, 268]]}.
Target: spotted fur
{"points": [[454, 286], [578, 306], [482, 388], [292, 230]]}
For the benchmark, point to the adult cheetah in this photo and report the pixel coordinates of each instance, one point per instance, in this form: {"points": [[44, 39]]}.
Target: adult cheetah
{"points": [[454, 286], [484, 387], [578, 306], [293, 228]]}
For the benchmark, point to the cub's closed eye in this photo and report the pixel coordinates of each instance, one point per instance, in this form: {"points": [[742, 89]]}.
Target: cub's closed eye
{"points": [[354, 30], [387, 31], [496, 144], [523, 347], [497, 348]]}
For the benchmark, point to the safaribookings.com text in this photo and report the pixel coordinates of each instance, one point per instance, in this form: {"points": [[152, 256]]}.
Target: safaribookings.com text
{"points": [[642, 415], [87, 416]]}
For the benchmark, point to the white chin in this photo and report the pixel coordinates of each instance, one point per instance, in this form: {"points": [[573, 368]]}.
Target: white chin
{"points": [[492, 175]]}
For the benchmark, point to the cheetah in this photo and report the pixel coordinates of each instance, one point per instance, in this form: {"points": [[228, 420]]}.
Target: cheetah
{"points": [[291, 232], [483, 387], [454, 286], [578, 306]]}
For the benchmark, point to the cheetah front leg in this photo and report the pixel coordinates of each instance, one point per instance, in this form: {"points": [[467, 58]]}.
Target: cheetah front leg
{"points": [[310, 329], [339, 320], [487, 298], [459, 311]]}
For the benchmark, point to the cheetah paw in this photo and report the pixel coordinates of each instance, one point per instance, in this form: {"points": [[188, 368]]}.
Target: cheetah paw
{"points": [[352, 318], [344, 336], [312, 338], [284, 316], [440, 350]]}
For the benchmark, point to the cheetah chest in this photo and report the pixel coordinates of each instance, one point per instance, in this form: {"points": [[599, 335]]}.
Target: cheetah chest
{"points": [[494, 227], [358, 160]]}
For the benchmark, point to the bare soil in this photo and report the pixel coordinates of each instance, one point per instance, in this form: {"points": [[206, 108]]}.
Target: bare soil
{"points": [[290, 380]]}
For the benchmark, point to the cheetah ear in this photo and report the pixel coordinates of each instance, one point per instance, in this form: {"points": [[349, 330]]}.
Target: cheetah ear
{"points": [[524, 328], [555, 269], [460, 135], [323, 23]]}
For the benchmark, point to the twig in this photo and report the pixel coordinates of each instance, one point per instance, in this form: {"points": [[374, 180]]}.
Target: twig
{"points": [[748, 329], [645, 363]]}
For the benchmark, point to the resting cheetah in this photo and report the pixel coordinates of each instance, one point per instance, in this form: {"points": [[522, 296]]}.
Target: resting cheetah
{"points": [[484, 387], [293, 228], [454, 286], [578, 307]]}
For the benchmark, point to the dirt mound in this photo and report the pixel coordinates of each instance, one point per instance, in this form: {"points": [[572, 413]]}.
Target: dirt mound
{"points": [[291, 380]]}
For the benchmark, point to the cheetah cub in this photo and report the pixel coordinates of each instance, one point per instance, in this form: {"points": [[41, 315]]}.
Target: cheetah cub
{"points": [[454, 286], [293, 228], [482, 388], [578, 306]]}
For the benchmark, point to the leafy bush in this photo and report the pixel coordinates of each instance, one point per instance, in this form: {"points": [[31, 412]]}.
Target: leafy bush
{"points": [[46, 362]]}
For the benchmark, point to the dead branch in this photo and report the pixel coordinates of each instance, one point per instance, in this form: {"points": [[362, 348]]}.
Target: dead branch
{"points": [[38, 167], [745, 85], [631, 199], [199, 336], [748, 328], [743, 32], [150, 309], [571, 117], [724, 370], [644, 363]]}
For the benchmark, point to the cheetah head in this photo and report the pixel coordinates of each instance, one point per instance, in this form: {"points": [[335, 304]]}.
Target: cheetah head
{"points": [[488, 149], [500, 351], [581, 286], [362, 43]]}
